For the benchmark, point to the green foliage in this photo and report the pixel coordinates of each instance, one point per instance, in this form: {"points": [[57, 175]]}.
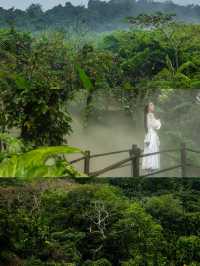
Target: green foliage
{"points": [[168, 211], [158, 19], [97, 16], [70, 224], [87, 84], [33, 164], [140, 234], [62, 223], [123, 70], [12, 144], [37, 73], [188, 249], [100, 262]]}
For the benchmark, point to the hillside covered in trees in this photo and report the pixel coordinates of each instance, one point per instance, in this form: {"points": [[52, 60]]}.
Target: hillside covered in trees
{"points": [[98, 16], [44, 75], [58, 223], [51, 214]]}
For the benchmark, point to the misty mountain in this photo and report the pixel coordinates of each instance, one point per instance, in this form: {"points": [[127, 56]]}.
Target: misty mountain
{"points": [[97, 16]]}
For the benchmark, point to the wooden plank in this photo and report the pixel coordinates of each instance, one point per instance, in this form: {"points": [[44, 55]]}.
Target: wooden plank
{"points": [[121, 151], [108, 153], [135, 155], [162, 171], [192, 150], [77, 160], [159, 152], [193, 165], [98, 155], [111, 167]]}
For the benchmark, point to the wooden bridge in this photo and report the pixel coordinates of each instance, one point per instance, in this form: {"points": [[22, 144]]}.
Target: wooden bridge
{"points": [[135, 154]]}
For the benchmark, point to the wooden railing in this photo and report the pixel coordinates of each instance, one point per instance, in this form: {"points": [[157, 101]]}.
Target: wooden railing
{"points": [[133, 160]]}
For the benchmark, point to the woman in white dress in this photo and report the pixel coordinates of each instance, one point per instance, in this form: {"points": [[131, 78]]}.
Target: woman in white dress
{"points": [[151, 141]]}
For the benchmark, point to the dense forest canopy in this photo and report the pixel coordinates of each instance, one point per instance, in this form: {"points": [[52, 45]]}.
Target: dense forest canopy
{"points": [[98, 16], [45, 75], [47, 217], [58, 223]]}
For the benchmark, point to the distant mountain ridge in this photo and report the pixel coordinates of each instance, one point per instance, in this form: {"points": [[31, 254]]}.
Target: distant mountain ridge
{"points": [[97, 16]]}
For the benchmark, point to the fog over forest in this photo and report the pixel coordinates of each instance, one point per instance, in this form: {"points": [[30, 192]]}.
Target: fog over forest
{"points": [[116, 130], [97, 16], [75, 82], [95, 68], [47, 4]]}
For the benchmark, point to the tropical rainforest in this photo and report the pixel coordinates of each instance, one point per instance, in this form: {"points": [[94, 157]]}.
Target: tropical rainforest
{"points": [[98, 16], [59, 222], [52, 214], [42, 78]]}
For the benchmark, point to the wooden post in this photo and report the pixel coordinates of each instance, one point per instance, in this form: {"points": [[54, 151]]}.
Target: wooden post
{"points": [[87, 163], [131, 153], [183, 160], [135, 162]]}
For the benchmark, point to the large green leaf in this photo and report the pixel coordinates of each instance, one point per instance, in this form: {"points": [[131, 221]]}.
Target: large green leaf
{"points": [[32, 163]]}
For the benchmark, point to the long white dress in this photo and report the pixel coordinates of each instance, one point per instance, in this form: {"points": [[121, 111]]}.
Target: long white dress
{"points": [[151, 144]]}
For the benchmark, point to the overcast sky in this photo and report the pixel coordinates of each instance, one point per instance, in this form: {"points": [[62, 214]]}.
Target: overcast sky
{"points": [[23, 4]]}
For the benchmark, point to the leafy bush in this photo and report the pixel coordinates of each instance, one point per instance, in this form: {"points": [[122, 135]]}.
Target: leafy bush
{"points": [[33, 164], [188, 249], [88, 224]]}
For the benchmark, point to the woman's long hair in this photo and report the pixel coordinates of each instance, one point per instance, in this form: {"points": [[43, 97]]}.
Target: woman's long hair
{"points": [[146, 110]]}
